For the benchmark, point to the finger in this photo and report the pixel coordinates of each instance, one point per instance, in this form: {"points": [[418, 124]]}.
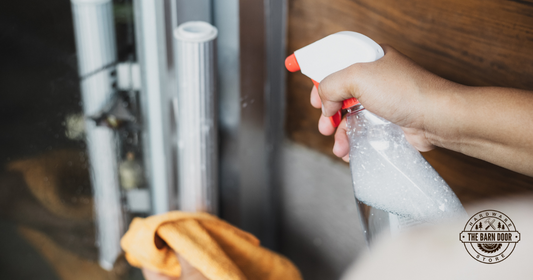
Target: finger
{"points": [[152, 275], [189, 272], [324, 126], [346, 158], [315, 98], [342, 144], [333, 90]]}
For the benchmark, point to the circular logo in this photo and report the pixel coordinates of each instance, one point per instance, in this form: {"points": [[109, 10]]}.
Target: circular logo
{"points": [[489, 236]]}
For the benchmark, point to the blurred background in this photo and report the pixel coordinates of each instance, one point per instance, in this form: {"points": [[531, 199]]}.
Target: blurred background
{"points": [[88, 114]]}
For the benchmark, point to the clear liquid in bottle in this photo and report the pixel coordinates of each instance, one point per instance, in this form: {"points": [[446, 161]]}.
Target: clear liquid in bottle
{"points": [[394, 186]]}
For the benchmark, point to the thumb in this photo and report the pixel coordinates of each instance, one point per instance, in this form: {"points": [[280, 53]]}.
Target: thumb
{"points": [[189, 272]]}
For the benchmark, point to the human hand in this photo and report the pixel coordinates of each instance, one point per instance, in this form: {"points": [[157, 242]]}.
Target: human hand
{"points": [[188, 272], [393, 87]]}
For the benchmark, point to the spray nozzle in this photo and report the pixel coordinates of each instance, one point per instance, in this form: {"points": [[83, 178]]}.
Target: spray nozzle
{"points": [[331, 54], [291, 63]]}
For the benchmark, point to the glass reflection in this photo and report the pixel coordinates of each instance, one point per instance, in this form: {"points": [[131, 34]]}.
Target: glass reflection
{"points": [[72, 174]]}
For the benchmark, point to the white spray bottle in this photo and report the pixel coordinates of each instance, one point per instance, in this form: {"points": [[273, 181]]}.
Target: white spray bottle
{"points": [[394, 186]]}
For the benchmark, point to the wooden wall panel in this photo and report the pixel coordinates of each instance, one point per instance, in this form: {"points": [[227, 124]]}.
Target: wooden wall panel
{"points": [[473, 42]]}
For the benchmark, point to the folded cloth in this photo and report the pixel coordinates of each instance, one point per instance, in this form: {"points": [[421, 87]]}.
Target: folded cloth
{"points": [[217, 249]]}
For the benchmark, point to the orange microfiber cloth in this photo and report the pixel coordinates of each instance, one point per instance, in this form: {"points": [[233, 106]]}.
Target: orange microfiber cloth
{"points": [[217, 249]]}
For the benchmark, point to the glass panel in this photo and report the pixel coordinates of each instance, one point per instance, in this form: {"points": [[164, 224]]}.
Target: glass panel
{"points": [[70, 139]]}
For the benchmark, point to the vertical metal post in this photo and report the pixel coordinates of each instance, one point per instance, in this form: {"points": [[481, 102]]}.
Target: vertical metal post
{"points": [[226, 19], [197, 129], [276, 24], [155, 21], [252, 133], [155, 102], [251, 51], [95, 43]]}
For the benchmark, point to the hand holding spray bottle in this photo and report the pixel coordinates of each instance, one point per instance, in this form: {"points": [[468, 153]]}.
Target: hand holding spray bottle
{"points": [[394, 186]]}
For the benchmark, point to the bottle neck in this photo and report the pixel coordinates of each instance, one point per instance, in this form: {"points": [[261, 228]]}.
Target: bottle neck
{"points": [[355, 108]]}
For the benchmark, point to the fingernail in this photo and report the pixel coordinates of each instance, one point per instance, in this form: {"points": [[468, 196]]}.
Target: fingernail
{"points": [[323, 110], [346, 158]]}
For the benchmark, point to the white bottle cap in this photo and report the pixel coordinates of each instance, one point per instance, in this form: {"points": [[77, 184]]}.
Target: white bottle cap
{"points": [[336, 52], [195, 31]]}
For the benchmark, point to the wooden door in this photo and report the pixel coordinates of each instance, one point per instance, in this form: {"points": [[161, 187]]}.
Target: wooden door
{"points": [[473, 42]]}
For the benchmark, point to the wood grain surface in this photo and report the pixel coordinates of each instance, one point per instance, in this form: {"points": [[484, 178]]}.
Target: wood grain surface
{"points": [[475, 42]]}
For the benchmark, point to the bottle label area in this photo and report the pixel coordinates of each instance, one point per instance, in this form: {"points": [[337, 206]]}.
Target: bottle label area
{"points": [[399, 223]]}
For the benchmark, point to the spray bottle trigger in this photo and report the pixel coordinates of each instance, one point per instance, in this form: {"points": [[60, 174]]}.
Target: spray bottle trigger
{"points": [[315, 83], [336, 119]]}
